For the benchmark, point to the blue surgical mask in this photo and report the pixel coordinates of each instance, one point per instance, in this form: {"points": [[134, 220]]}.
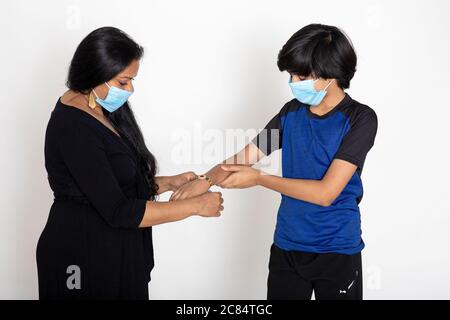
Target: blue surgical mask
{"points": [[305, 92], [115, 98]]}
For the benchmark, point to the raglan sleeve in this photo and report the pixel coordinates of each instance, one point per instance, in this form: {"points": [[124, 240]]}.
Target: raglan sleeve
{"points": [[83, 152], [359, 139], [270, 138]]}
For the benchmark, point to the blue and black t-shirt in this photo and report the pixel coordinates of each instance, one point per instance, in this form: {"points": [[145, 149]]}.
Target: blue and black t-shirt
{"points": [[309, 144]]}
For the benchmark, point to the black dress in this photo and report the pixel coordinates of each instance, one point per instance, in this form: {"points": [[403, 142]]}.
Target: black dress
{"points": [[91, 246]]}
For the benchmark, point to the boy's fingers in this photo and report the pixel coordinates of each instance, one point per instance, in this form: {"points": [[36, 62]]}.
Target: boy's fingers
{"points": [[230, 167], [225, 183]]}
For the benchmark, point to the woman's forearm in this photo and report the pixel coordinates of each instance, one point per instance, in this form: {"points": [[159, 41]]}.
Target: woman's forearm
{"points": [[162, 212]]}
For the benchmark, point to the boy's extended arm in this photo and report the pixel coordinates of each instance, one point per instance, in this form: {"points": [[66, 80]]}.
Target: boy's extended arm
{"points": [[248, 156], [321, 192]]}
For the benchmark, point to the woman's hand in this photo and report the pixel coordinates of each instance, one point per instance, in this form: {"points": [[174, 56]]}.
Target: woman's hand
{"points": [[241, 177], [180, 179], [209, 204], [206, 205], [172, 183], [191, 189]]}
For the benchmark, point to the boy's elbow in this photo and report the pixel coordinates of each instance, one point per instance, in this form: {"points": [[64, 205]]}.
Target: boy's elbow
{"points": [[325, 202], [326, 199]]}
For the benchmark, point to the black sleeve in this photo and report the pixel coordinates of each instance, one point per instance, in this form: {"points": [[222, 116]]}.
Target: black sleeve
{"points": [[268, 140], [83, 152], [271, 137], [359, 139]]}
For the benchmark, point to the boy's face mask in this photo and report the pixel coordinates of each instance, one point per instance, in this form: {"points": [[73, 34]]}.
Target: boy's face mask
{"points": [[305, 92], [115, 98]]}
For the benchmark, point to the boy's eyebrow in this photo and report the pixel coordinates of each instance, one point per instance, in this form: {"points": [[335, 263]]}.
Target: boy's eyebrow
{"points": [[128, 77]]}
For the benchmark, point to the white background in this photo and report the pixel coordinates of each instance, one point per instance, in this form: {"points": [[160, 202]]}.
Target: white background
{"points": [[213, 63]]}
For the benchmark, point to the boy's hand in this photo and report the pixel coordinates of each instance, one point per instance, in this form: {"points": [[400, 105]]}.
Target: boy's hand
{"points": [[241, 177]]}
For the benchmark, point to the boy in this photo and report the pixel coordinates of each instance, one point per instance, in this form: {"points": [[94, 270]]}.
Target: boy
{"points": [[325, 136]]}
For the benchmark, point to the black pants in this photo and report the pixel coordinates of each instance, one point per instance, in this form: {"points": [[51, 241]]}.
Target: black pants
{"points": [[332, 276]]}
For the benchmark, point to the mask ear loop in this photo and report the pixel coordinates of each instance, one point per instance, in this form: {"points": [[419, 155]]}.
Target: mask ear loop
{"points": [[96, 92], [328, 84]]}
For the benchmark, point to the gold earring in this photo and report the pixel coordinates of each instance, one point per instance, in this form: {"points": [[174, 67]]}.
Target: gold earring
{"points": [[92, 104]]}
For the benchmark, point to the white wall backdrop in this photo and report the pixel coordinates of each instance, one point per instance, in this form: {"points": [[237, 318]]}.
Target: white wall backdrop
{"points": [[212, 65]]}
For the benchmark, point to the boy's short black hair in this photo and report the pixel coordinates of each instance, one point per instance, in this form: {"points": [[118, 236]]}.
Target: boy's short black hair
{"points": [[319, 50]]}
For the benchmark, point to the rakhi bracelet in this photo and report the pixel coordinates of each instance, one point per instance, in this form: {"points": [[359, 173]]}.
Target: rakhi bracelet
{"points": [[205, 177]]}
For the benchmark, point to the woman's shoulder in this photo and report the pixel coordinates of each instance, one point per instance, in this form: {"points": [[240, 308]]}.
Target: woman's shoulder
{"points": [[68, 119]]}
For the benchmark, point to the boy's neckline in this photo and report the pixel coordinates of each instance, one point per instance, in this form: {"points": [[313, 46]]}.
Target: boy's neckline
{"points": [[347, 99]]}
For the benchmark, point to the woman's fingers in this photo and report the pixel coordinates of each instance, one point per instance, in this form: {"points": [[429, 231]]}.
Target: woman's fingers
{"points": [[190, 175], [174, 196], [179, 195]]}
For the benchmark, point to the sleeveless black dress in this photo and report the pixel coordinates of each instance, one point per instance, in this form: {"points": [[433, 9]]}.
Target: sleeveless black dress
{"points": [[91, 246]]}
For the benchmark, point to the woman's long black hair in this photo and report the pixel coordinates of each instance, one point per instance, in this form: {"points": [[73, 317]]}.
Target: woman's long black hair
{"points": [[103, 54]]}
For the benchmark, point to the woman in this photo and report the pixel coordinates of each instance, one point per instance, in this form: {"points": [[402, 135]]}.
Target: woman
{"points": [[325, 136], [97, 242]]}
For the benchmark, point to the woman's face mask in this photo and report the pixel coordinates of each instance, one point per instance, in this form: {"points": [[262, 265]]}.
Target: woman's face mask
{"points": [[115, 98], [305, 91]]}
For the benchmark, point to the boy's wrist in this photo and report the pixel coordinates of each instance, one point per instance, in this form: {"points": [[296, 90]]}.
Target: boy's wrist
{"points": [[205, 178], [260, 178]]}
